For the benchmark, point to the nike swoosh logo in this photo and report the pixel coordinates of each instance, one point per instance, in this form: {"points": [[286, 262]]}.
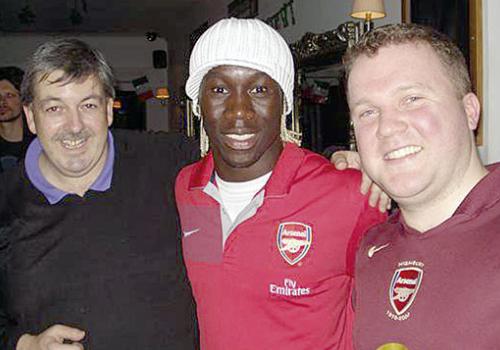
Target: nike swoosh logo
{"points": [[189, 233], [374, 249]]}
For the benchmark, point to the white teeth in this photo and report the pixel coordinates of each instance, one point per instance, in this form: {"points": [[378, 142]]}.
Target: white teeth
{"points": [[73, 144], [237, 137], [403, 152]]}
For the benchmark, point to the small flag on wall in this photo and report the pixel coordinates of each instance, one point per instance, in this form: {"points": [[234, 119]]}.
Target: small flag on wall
{"points": [[142, 88]]}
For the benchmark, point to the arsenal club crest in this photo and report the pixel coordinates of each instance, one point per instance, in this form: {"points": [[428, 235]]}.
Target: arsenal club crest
{"points": [[294, 240], [404, 288]]}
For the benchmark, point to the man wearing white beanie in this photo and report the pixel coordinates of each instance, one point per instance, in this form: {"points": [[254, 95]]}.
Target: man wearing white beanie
{"points": [[269, 229]]}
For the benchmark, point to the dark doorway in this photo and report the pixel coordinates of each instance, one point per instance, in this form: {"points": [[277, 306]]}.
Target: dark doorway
{"points": [[326, 124], [447, 16], [132, 111]]}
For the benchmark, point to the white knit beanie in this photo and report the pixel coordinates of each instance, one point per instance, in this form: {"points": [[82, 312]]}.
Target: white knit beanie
{"points": [[247, 43]]}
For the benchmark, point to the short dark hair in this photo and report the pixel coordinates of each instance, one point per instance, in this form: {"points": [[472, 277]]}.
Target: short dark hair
{"points": [[75, 58], [12, 74], [404, 33]]}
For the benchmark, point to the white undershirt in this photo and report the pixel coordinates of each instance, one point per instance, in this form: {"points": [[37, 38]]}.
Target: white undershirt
{"points": [[236, 196]]}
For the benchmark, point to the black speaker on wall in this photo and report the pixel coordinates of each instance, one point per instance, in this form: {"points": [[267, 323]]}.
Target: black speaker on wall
{"points": [[159, 59]]}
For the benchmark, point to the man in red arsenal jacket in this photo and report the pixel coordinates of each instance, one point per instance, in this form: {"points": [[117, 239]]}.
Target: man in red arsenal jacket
{"points": [[269, 229]]}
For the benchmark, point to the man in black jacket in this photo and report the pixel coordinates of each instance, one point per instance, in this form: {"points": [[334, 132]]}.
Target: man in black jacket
{"points": [[14, 135], [89, 252]]}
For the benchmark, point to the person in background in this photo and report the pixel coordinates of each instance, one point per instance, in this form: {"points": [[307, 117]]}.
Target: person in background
{"points": [[89, 246], [269, 229], [14, 135], [428, 278]]}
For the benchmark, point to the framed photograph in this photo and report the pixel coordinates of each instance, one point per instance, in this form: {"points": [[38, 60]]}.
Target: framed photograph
{"points": [[243, 8], [462, 21]]}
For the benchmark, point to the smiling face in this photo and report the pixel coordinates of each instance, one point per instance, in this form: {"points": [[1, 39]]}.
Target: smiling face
{"points": [[71, 121], [241, 109], [10, 102], [414, 132]]}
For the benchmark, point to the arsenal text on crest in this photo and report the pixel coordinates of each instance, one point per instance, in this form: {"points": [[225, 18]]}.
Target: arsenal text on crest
{"points": [[404, 288], [294, 240]]}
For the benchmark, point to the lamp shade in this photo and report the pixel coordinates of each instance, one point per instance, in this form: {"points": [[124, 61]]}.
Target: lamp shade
{"points": [[117, 104], [368, 9], [162, 93]]}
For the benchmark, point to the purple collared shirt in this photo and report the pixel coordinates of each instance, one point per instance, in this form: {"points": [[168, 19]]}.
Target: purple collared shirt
{"points": [[53, 194]]}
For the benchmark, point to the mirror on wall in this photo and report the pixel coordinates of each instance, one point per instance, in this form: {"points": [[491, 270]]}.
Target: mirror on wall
{"points": [[319, 95]]}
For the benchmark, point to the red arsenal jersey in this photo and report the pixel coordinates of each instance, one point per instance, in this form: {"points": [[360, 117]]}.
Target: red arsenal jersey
{"points": [[283, 277], [433, 290]]}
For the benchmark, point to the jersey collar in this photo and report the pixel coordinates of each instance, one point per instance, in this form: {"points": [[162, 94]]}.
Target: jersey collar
{"points": [[280, 182]]}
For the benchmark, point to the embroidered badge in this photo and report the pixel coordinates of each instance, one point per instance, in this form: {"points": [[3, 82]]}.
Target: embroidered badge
{"points": [[294, 240], [404, 288]]}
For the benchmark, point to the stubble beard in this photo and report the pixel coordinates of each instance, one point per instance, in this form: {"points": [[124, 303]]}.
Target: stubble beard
{"points": [[11, 119]]}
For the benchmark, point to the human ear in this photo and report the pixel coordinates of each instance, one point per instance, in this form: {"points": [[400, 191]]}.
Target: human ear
{"points": [[109, 111], [30, 117], [472, 109]]}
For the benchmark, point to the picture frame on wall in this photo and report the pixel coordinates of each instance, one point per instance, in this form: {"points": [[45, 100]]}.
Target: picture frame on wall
{"points": [[243, 8], [461, 20]]}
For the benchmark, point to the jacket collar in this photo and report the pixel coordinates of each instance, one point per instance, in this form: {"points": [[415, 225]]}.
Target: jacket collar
{"points": [[280, 182]]}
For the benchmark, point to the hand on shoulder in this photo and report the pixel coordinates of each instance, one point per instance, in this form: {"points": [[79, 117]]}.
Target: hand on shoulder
{"points": [[350, 160]]}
